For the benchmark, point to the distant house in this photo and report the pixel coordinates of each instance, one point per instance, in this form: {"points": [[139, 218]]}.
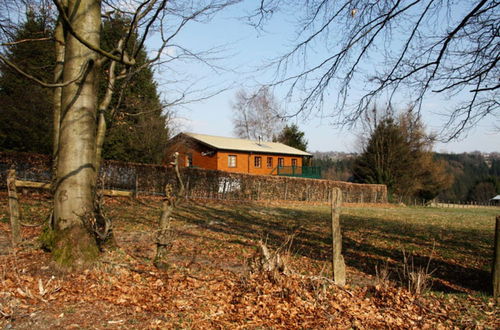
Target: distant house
{"points": [[240, 155], [495, 200]]}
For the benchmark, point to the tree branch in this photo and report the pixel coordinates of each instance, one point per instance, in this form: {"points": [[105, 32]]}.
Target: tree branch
{"points": [[96, 49], [38, 81]]}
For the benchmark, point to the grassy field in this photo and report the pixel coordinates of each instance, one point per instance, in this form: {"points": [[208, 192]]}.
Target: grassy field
{"points": [[458, 241], [215, 240]]}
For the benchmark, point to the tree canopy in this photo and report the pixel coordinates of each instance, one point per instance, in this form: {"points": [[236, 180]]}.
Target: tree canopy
{"points": [[26, 106], [256, 115], [398, 154], [293, 137], [138, 130], [138, 124]]}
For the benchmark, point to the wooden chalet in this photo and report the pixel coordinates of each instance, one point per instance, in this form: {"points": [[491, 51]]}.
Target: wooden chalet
{"points": [[238, 155]]}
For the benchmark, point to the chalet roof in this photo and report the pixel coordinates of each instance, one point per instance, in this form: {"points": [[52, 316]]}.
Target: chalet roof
{"points": [[235, 144]]}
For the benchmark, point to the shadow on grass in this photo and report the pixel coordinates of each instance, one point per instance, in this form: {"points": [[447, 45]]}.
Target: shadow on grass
{"points": [[313, 239]]}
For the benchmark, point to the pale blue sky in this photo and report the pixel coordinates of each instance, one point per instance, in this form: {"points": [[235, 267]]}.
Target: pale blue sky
{"points": [[243, 51]]}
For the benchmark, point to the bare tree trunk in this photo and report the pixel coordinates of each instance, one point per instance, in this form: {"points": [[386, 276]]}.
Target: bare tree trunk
{"points": [[74, 244], [165, 235], [15, 216], [496, 262], [58, 73], [103, 106], [338, 263]]}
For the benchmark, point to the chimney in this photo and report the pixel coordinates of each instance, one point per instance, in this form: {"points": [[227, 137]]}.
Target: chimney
{"points": [[260, 140]]}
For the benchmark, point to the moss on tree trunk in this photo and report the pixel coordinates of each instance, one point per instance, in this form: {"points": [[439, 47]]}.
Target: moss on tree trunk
{"points": [[74, 248]]}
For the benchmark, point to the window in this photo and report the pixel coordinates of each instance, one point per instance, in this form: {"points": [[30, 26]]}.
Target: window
{"points": [[231, 161], [257, 161], [269, 162], [294, 162], [281, 162], [189, 160]]}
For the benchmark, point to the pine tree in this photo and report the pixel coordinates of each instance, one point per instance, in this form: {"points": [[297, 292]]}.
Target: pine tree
{"points": [[26, 107], [137, 133], [293, 137]]}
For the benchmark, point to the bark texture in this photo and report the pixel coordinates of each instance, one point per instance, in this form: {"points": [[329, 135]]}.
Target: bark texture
{"points": [[165, 234], [74, 187], [58, 74], [338, 263]]}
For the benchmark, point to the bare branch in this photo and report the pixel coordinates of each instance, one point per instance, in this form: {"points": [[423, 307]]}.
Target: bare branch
{"points": [[392, 50], [17, 42], [38, 81]]}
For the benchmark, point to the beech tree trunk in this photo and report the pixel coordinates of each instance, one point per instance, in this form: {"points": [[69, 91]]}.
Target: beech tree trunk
{"points": [[74, 245], [58, 73]]}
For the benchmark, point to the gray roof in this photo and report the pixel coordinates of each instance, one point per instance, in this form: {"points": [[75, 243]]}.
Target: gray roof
{"points": [[496, 198], [236, 144]]}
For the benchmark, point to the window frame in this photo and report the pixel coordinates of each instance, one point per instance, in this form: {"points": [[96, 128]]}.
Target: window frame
{"points": [[294, 162], [189, 159], [257, 162], [269, 162], [232, 161], [281, 162]]}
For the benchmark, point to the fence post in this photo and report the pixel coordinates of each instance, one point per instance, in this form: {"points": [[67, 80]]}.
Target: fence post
{"points": [[136, 190], [14, 208], [496, 261], [338, 263]]}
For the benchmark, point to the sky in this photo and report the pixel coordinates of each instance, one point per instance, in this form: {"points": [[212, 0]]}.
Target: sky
{"points": [[242, 51]]}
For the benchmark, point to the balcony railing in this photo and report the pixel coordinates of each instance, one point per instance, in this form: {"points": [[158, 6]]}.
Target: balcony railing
{"points": [[313, 172]]}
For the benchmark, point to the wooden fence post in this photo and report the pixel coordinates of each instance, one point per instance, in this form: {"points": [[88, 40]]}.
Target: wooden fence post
{"points": [[338, 263], [136, 190], [496, 261], [14, 208]]}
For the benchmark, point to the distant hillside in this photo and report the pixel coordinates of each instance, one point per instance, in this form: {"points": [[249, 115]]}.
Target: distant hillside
{"points": [[334, 165], [476, 175]]}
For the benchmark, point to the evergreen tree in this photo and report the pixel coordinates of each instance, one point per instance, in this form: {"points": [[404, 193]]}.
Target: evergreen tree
{"points": [[26, 107], [293, 137], [398, 154], [137, 133]]}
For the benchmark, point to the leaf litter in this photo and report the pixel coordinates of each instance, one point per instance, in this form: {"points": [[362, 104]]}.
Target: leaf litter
{"points": [[209, 286]]}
